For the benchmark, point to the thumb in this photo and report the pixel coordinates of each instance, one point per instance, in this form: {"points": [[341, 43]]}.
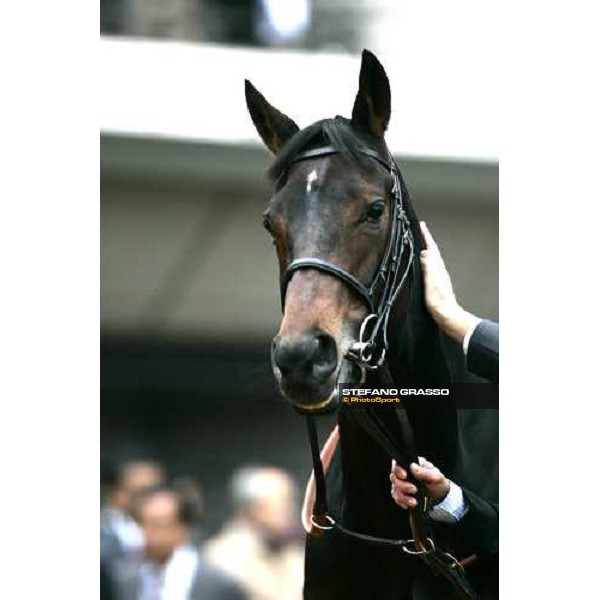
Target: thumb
{"points": [[426, 474], [423, 462], [430, 243]]}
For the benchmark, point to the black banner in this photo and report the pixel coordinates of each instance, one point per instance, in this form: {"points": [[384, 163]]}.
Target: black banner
{"points": [[460, 395]]}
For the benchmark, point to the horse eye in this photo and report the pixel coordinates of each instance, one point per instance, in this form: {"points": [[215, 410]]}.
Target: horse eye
{"points": [[375, 211], [267, 223]]}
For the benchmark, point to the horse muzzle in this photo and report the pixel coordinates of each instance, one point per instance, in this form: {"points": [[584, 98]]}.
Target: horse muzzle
{"points": [[306, 367]]}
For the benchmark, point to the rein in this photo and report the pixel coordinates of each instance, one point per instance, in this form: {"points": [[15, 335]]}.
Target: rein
{"points": [[421, 544], [369, 353]]}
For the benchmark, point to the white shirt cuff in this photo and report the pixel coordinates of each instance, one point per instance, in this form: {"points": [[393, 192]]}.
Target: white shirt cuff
{"points": [[453, 508], [468, 335]]}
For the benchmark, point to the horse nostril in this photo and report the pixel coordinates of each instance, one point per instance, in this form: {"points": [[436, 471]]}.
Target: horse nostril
{"points": [[325, 356], [306, 358], [290, 354]]}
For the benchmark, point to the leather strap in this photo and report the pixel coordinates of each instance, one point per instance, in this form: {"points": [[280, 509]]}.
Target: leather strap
{"points": [[441, 563], [321, 265], [320, 508]]}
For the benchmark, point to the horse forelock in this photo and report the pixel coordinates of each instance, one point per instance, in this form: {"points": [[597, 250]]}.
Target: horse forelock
{"points": [[337, 132]]}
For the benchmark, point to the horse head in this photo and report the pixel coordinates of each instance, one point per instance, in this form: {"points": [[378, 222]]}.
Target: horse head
{"points": [[331, 218]]}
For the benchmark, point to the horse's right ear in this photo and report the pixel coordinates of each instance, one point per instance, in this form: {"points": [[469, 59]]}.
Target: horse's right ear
{"points": [[372, 106], [273, 126]]}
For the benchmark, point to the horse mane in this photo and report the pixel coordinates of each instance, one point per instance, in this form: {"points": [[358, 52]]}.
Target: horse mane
{"points": [[337, 132]]}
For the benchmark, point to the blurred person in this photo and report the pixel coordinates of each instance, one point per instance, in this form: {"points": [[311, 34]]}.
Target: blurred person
{"points": [[258, 546], [237, 20], [190, 492], [106, 584], [479, 337], [171, 567], [119, 532]]}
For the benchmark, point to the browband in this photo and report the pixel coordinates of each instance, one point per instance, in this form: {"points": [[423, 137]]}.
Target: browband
{"points": [[328, 150]]}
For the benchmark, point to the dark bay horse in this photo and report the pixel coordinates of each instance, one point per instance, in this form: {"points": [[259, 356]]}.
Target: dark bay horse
{"points": [[336, 208]]}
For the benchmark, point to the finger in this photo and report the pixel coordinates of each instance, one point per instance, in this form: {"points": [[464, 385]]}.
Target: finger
{"points": [[423, 462], [403, 500], [425, 232], [431, 260], [394, 478], [403, 487], [424, 257], [426, 474], [399, 472], [429, 241]]}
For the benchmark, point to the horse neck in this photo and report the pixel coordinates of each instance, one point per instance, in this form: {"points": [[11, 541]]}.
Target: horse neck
{"points": [[420, 353]]}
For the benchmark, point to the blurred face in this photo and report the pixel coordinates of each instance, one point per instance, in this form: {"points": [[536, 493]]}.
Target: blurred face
{"points": [[274, 512], [137, 478], [163, 532]]}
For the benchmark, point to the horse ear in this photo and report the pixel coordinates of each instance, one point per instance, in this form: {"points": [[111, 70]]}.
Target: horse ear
{"points": [[273, 126], [372, 106]]}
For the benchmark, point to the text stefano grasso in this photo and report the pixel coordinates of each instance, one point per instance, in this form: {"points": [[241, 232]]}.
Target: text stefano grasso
{"points": [[396, 392]]}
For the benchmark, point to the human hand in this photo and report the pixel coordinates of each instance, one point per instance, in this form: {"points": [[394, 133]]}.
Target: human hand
{"points": [[435, 483], [439, 295]]}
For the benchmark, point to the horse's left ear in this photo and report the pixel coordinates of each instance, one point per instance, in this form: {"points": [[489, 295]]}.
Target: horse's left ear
{"points": [[272, 125], [372, 107]]}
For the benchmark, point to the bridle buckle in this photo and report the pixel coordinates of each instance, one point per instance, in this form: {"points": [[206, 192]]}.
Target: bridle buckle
{"points": [[328, 527], [455, 563], [419, 552], [362, 352]]}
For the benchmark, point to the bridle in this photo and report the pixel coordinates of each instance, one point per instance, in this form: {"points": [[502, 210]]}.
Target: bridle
{"points": [[369, 352], [380, 294]]}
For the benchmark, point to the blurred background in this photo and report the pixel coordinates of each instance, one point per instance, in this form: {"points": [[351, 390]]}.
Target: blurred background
{"points": [[189, 290]]}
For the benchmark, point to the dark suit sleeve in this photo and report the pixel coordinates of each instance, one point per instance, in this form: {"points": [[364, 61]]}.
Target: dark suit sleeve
{"points": [[482, 353], [477, 532], [479, 527]]}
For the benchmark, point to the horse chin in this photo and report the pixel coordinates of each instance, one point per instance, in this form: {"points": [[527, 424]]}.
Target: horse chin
{"points": [[306, 401], [322, 406], [309, 399]]}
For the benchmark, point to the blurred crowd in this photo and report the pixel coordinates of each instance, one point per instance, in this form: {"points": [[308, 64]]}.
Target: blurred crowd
{"points": [[238, 22], [153, 545], [300, 24]]}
